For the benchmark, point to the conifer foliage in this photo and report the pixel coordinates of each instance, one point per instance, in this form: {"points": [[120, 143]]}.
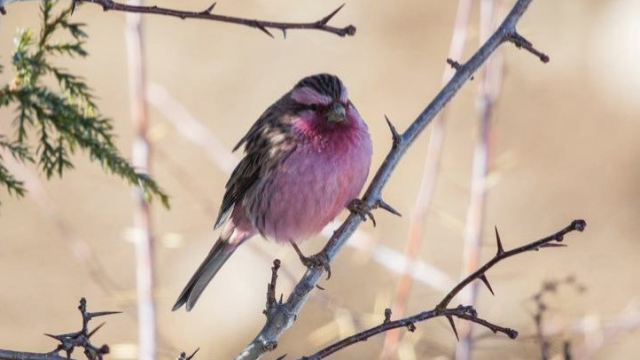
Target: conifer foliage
{"points": [[51, 122]]}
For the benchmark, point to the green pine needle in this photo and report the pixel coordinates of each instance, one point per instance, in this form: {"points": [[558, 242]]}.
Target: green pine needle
{"points": [[61, 119]]}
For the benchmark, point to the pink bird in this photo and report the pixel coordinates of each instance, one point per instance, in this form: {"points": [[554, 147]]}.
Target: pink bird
{"points": [[306, 158]]}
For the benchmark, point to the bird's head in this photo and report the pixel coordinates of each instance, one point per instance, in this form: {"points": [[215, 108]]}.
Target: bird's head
{"points": [[323, 98]]}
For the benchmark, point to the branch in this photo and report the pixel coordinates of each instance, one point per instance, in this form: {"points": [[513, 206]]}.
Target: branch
{"points": [[576, 225], [462, 312], [68, 342], [207, 14], [283, 317]]}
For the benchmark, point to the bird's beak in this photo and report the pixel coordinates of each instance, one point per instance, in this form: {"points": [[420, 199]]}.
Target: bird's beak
{"points": [[337, 113]]}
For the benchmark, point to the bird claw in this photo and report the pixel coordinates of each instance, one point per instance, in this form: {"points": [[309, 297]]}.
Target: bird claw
{"points": [[319, 260], [360, 207]]}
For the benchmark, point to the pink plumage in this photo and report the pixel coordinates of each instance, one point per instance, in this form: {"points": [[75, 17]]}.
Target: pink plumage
{"points": [[306, 158]]}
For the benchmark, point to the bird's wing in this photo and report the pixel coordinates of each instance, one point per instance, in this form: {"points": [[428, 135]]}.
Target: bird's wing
{"points": [[269, 142]]}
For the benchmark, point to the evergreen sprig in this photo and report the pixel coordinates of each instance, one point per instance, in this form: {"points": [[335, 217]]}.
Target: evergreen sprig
{"points": [[60, 119]]}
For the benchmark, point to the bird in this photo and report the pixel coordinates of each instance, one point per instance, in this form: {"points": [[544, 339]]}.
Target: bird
{"points": [[306, 158]]}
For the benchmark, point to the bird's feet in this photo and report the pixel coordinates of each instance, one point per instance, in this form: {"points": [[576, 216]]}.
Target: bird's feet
{"points": [[360, 207], [320, 260]]}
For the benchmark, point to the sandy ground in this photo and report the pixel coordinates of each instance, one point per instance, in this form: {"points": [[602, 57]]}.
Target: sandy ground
{"points": [[564, 146]]}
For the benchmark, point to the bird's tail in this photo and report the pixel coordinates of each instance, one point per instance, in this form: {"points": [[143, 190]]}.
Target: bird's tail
{"points": [[221, 251]]}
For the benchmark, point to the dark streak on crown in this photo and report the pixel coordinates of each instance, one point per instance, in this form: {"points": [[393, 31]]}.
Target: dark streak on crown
{"points": [[323, 84]]}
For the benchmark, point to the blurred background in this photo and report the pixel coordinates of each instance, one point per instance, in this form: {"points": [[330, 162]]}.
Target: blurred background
{"points": [[564, 145]]}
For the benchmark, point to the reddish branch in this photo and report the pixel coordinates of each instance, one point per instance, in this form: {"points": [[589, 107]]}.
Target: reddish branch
{"points": [[68, 342], [461, 312], [207, 14]]}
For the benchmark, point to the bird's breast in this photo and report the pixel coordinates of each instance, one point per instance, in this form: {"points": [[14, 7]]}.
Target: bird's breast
{"points": [[309, 189]]}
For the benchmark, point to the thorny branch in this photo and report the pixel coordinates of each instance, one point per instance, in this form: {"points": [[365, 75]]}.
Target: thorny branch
{"points": [[283, 316], [576, 225], [462, 312], [68, 342], [207, 14]]}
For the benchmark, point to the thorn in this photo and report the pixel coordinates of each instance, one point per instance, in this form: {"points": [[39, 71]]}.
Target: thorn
{"points": [[281, 298], [387, 315], [284, 33], [192, 355], [579, 225], [453, 326], [454, 64], [411, 327], [57, 337], [394, 132], [208, 11], [102, 313], [484, 279], [383, 205], [73, 6], [95, 330], [326, 19], [282, 357], [552, 245], [320, 287], [264, 29], [500, 248]]}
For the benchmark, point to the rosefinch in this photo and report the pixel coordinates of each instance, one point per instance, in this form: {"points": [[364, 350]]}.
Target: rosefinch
{"points": [[306, 158]]}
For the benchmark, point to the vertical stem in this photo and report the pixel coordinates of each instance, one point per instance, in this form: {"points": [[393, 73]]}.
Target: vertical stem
{"points": [[427, 185], [490, 76], [142, 216]]}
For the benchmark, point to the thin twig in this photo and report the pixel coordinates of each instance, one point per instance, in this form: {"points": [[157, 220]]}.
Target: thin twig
{"points": [[428, 182], [463, 312], [145, 272], [207, 14], [282, 319]]}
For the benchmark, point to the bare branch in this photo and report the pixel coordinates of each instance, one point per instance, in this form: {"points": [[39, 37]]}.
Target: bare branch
{"points": [[462, 312], [68, 342], [284, 315], [206, 14], [520, 42], [576, 225], [271, 287]]}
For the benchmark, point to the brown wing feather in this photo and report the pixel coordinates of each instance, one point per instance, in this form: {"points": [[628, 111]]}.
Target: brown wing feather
{"points": [[267, 143]]}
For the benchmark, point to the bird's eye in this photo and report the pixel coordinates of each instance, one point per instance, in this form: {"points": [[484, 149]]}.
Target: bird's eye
{"points": [[313, 107]]}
